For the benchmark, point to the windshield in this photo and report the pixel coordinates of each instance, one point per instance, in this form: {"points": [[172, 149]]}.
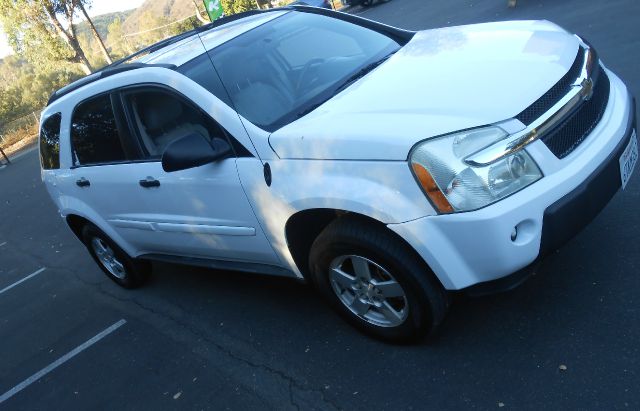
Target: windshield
{"points": [[283, 69]]}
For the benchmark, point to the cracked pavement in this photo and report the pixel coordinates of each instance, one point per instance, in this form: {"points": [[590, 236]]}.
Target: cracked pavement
{"points": [[205, 339]]}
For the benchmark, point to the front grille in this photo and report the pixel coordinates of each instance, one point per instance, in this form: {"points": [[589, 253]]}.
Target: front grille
{"points": [[572, 131], [555, 93], [568, 135]]}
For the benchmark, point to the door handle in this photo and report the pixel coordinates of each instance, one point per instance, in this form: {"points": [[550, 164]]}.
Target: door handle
{"points": [[83, 182], [149, 182]]}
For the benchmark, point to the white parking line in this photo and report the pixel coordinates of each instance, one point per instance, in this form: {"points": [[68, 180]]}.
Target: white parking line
{"points": [[23, 280], [1, 244], [46, 370]]}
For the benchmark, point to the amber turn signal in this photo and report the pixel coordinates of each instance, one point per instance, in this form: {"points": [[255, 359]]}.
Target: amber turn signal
{"points": [[431, 189]]}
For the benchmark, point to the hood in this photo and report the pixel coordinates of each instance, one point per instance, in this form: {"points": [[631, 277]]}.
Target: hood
{"points": [[442, 81]]}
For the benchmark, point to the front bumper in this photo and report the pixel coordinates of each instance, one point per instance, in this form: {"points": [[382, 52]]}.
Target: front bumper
{"points": [[475, 248]]}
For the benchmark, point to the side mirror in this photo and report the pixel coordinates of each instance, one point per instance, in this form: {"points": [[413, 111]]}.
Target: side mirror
{"points": [[193, 150]]}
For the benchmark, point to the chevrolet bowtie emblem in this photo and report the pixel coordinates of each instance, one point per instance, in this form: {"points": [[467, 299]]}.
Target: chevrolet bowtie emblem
{"points": [[587, 89]]}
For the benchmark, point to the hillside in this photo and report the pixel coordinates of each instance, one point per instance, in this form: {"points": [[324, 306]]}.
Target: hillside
{"points": [[167, 10], [25, 87], [102, 22], [171, 10]]}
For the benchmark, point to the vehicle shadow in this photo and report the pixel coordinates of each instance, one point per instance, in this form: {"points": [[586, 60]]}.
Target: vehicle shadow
{"points": [[283, 324], [266, 307]]}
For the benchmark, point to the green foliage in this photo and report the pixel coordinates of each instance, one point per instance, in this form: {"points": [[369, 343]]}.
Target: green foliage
{"points": [[102, 23], [42, 61], [29, 87], [185, 25], [31, 34], [237, 6], [25, 88], [116, 42]]}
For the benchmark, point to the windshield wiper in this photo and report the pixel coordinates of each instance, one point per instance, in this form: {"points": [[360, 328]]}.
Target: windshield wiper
{"points": [[362, 72], [352, 79], [311, 108]]}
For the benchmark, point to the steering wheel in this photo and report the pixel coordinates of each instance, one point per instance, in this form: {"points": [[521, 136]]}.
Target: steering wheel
{"points": [[305, 70]]}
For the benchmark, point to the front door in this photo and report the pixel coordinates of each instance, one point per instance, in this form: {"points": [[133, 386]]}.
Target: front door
{"points": [[199, 212]]}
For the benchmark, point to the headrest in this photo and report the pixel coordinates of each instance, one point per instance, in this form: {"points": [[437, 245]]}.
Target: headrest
{"points": [[158, 110]]}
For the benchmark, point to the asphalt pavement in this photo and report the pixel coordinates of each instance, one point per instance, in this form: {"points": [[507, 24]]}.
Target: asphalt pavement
{"points": [[203, 339]]}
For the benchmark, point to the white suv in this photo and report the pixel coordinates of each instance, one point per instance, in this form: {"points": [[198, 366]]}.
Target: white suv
{"points": [[386, 167]]}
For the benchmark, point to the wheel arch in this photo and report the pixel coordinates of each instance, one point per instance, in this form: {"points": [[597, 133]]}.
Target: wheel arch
{"points": [[75, 223], [76, 219], [303, 227]]}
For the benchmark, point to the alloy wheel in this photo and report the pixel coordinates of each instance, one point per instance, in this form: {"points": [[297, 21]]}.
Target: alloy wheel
{"points": [[368, 290], [107, 258]]}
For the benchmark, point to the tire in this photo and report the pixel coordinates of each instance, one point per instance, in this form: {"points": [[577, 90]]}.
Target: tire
{"points": [[419, 306], [366, 3], [125, 271]]}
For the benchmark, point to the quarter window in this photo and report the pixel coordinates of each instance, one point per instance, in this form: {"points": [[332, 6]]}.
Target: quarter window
{"points": [[50, 142], [95, 137]]}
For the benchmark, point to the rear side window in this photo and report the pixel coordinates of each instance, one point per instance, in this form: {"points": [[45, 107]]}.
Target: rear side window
{"points": [[94, 133], [50, 142]]}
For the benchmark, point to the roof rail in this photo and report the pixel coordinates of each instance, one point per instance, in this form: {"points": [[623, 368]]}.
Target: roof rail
{"points": [[105, 72], [174, 39], [120, 66]]}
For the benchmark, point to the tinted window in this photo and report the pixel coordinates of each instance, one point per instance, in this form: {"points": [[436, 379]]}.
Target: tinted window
{"points": [[160, 118], [280, 70], [202, 72], [50, 142], [94, 134]]}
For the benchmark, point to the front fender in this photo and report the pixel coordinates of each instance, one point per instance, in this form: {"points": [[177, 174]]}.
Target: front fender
{"points": [[383, 190]]}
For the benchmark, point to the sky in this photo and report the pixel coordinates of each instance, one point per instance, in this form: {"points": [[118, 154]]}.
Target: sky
{"points": [[97, 7]]}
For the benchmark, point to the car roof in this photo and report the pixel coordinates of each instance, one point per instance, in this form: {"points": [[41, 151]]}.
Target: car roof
{"points": [[177, 50], [189, 48]]}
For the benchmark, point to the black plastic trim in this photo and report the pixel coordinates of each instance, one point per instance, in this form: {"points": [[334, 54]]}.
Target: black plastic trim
{"points": [[566, 217], [246, 267], [503, 284]]}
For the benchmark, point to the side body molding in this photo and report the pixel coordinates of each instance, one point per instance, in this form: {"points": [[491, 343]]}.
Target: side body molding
{"points": [[185, 228]]}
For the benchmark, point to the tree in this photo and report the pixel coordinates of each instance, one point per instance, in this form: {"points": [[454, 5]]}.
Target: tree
{"points": [[43, 32], [116, 39], [199, 13], [152, 28], [24, 89], [238, 6], [101, 45]]}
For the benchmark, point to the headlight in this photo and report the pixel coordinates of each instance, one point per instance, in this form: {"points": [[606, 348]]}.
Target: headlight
{"points": [[453, 185]]}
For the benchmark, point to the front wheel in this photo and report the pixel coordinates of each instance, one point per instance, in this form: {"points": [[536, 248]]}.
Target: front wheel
{"points": [[114, 261], [376, 282]]}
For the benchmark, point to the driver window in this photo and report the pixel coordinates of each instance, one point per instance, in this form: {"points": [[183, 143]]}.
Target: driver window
{"points": [[159, 118]]}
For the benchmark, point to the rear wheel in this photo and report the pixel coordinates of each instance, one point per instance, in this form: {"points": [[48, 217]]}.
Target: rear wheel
{"points": [[114, 262], [376, 282]]}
